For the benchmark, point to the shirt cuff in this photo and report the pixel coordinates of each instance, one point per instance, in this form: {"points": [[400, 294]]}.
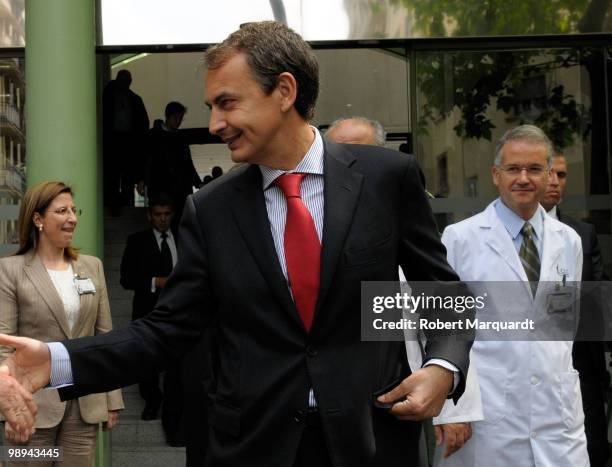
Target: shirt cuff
{"points": [[153, 288], [61, 369], [449, 366]]}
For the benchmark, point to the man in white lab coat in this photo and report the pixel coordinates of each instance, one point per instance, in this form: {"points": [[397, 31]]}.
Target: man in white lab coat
{"points": [[530, 391]]}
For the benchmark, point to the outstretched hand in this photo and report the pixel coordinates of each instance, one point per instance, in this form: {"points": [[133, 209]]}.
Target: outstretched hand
{"points": [[421, 395], [30, 364], [18, 408]]}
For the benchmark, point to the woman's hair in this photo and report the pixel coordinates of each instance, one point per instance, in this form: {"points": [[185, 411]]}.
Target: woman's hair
{"points": [[36, 200]]}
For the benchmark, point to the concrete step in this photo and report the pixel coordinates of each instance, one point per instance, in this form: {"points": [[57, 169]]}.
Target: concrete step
{"points": [[112, 264], [113, 250], [121, 321], [112, 276], [126, 211], [149, 456], [121, 307], [116, 292], [135, 432], [133, 403]]}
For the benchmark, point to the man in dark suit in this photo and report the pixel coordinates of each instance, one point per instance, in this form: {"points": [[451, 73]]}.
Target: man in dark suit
{"points": [[169, 168], [277, 265], [124, 126], [148, 260], [588, 355]]}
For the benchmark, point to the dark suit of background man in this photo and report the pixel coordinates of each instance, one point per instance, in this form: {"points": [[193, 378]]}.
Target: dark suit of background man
{"points": [[148, 260], [169, 167], [296, 385], [588, 356], [124, 126]]}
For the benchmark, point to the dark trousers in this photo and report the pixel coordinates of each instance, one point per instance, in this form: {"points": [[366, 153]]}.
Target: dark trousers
{"points": [[312, 450], [150, 392], [589, 361], [172, 408], [121, 167]]}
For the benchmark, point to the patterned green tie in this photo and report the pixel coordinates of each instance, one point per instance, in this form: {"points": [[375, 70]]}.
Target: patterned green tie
{"points": [[529, 257]]}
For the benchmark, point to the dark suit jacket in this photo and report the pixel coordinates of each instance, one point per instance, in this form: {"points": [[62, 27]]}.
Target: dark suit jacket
{"points": [[140, 263], [169, 168], [592, 266], [376, 217], [589, 355], [591, 317]]}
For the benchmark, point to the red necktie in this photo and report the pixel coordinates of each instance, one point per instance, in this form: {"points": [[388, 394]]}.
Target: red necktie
{"points": [[302, 249]]}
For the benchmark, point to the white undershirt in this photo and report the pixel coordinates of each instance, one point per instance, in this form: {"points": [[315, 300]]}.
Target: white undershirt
{"points": [[64, 284]]}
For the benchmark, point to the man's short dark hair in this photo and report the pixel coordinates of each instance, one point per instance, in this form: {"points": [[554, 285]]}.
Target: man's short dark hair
{"points": [[173, 108], [216, 171], [272, 48], [160, 199]]}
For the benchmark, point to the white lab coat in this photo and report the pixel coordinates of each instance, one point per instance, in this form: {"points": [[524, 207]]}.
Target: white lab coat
{"points": [[530, 390]]}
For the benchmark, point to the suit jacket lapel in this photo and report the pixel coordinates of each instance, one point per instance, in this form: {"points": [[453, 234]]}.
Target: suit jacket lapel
{"points": [[38, 275], [249, 209], [342, 188]]}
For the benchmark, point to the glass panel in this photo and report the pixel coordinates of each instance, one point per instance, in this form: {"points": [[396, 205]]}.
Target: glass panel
{"points": [[371, 83], [161, 78], [345, 74], [12, 23], [467, 100], [127, 22], [12, 150]]}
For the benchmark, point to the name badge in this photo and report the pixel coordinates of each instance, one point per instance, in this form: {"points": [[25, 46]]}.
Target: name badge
{"points": [[84, 285]]}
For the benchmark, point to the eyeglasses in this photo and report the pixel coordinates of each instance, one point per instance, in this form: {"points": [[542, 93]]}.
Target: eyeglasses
{"points": [[532, 170], [65, 211]]}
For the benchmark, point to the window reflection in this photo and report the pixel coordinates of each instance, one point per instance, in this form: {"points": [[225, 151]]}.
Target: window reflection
{"points": [[12, 149], [467, 100]]}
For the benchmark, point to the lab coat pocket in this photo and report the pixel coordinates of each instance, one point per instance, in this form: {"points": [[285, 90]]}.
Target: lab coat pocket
{"points": [[571, 400], [493, 388]]}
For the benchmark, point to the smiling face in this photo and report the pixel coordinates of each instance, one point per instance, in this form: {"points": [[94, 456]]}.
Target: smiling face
{"points": [[522, 192], [556, 183], [248, 120], [58, 222]]}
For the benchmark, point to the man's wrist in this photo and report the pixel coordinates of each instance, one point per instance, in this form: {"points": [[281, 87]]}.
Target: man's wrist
{"points": [[61, 369], [447, 366]]}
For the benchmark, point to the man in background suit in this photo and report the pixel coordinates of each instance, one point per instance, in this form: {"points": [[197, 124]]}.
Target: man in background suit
{"points": [[169, 168], [148, 260], [277, 264], [589, 356], [124, 127]]}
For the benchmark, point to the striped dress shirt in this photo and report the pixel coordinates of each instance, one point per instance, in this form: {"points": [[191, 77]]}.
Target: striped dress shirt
{"points": [[311, 191]]}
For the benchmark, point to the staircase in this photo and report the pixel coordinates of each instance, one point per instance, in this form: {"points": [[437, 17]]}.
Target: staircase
{"points": [[134, 443]]}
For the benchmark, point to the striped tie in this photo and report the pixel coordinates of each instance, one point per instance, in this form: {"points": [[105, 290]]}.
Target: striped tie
{"points": [[529, 257]]}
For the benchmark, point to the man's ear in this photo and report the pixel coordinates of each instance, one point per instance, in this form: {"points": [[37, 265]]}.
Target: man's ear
{"points": [[495, 175], [287, 87]]}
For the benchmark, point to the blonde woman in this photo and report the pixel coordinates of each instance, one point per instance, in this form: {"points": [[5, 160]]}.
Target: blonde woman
{"points": [[49, 291]]}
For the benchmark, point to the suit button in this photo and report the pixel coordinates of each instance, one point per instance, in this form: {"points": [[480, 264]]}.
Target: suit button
{"points": [[535, 380], [311, 352], [298, 417]]}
